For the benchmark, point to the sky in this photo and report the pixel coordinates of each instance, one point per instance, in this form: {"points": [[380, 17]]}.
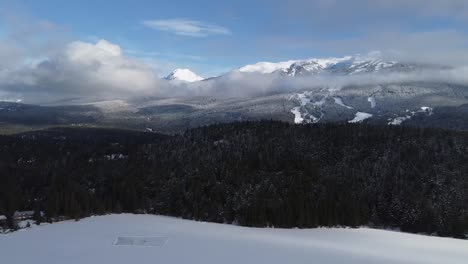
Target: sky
{"points": [[235, 33], [213, 37]]}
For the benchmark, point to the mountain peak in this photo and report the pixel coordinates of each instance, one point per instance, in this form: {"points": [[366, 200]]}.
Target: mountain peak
{"points": [[184, 75]]}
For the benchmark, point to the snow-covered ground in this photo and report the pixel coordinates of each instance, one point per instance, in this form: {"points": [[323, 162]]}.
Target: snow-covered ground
{"points": [[298, 115], [301, 115], [298, 119], [372, 101], [151, 239], [339, 101], [360, 117], [399, 120], [410, 114]]}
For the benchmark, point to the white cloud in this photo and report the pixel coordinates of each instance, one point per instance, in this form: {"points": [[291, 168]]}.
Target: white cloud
{"points": [[104, 64], [83, 69], [187, 27]]}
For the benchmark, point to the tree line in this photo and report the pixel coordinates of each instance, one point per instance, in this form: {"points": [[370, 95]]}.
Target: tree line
{"points": [[263, 173]]}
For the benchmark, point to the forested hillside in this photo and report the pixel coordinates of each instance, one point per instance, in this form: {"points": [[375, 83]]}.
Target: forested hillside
{"points": [[250, 173]]}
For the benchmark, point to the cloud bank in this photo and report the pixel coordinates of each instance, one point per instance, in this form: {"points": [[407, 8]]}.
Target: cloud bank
{"points": [[82, 69], [240, 84]]}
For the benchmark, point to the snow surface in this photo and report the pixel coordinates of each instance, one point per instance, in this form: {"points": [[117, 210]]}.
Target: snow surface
{"points": [[25, 223], [114, 106], [400, 119], [92, 240], [141, 241], [184, 75], [298, 119], [339, 101], [359, 117], [10, 100], [427, 110], [372, 101], [304, 100]]}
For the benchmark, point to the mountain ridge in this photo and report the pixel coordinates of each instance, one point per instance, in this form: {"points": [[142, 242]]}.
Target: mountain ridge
{"points": [[339, 66]]}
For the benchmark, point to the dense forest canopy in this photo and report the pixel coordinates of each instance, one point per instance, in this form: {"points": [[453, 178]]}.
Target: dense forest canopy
{"points": [[250, 173]]}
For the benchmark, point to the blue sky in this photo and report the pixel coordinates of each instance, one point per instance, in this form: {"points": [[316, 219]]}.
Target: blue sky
{"points": [[212, 37]]}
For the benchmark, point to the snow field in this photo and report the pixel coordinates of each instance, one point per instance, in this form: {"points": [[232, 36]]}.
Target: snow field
{"points": [[92, 240]]}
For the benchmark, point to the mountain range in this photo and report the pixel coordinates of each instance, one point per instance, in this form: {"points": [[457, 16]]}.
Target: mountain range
{"points": [[345, 66], [348, 65], [415, 102]]}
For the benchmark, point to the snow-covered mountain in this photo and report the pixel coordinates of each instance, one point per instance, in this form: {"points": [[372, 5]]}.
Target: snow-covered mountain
{"points": [[184, 75], [347, 65]]}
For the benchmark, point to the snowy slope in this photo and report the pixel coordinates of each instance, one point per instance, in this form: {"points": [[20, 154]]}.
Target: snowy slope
{"points": [[184, 75], [339, 101], [360, 117], [148, 239], [114, 106]]}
